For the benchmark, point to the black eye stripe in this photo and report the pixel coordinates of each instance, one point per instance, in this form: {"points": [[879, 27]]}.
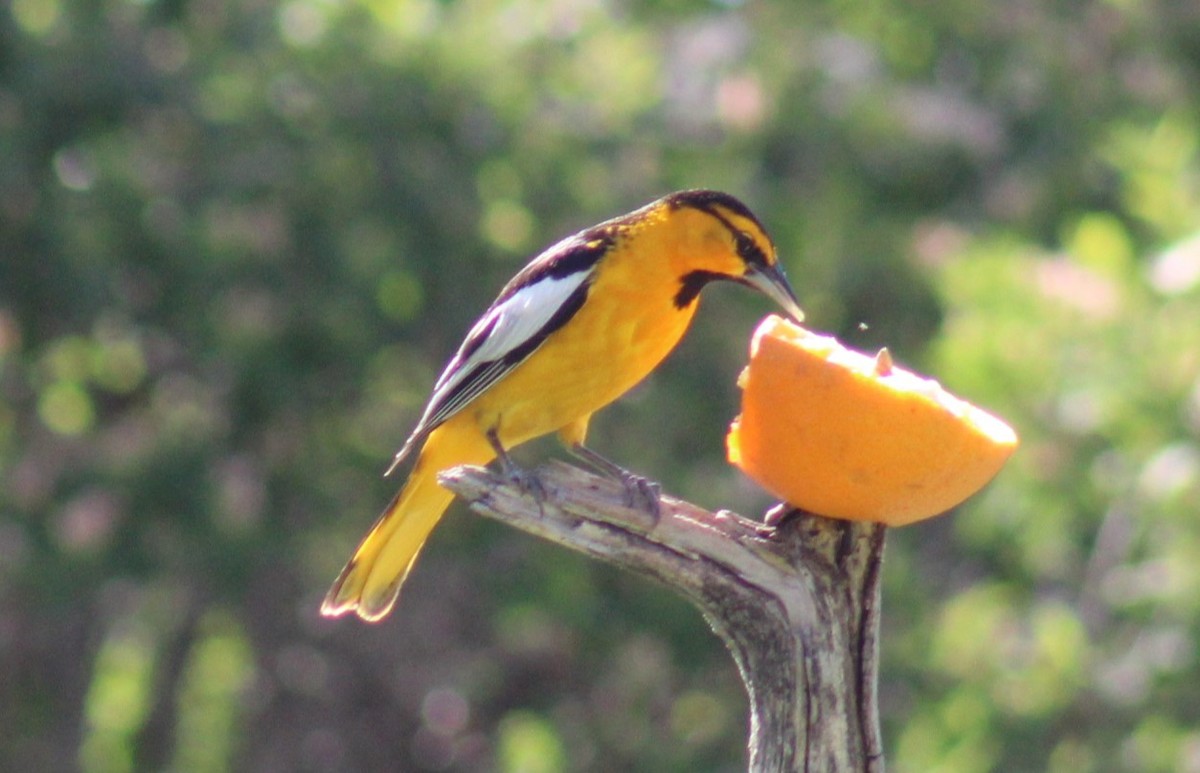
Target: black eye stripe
{"points": [[746, 247], [749, 251]]}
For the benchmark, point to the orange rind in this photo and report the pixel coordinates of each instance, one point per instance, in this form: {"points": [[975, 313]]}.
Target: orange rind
{"points": [[845, 435]]}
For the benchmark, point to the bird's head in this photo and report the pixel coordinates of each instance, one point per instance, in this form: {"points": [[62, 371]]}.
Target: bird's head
{"points": [[720, 238]]}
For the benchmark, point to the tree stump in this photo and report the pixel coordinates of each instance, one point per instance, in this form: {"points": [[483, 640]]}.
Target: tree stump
{"points": [[797, 603]]}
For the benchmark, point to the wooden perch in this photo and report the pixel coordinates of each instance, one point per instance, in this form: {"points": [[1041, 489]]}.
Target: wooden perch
{"points": [[797, 604]]}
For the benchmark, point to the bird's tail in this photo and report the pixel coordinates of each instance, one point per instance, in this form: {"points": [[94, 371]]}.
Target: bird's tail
{"points": [[370, 582]]}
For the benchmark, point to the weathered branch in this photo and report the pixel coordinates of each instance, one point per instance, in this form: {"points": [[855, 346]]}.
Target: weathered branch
{"points": [[797, 604]]}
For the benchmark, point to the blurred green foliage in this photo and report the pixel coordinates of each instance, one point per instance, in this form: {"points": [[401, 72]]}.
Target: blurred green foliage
{"points": [[239, 239]]}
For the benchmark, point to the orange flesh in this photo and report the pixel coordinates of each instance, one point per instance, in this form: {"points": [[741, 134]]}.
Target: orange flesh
{"points": [[844, 435]]}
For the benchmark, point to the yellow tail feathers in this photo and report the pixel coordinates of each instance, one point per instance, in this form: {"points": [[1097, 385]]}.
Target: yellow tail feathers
{"points": [[370, 582]]}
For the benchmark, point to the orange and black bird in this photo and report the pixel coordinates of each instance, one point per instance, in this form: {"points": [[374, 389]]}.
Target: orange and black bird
{"points": [[578, 327]]}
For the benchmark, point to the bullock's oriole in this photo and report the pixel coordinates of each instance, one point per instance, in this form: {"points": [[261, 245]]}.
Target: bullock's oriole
{"points": [[574, 330]]}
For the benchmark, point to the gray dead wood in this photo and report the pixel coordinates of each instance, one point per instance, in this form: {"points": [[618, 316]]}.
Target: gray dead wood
{"points": [[797, 604]]}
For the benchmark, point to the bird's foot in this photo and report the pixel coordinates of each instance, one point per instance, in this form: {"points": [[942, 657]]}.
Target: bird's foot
{"points": [[640, 492], [526, 480], [643, 494]]}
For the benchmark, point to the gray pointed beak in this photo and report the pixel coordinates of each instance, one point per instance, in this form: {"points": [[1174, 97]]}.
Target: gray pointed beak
{"points": [[771, 282]]}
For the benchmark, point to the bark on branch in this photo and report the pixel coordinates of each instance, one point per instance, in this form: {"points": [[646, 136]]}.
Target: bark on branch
{"points": [[797, 604]]}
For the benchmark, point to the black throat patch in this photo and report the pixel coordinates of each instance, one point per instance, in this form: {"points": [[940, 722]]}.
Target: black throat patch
{"points": [[691, 284]]}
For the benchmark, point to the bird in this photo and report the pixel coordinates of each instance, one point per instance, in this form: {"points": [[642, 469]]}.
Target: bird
{"points": [[580, 325]]}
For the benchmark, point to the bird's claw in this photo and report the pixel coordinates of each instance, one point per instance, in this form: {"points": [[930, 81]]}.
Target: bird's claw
{"points": [[528, 481], [643, 494]]}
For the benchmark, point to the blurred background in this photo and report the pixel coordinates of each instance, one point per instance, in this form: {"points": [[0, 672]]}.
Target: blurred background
{"points": [[238, 240]]}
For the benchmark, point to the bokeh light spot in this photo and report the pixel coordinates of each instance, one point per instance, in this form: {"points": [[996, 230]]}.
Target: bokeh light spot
{"points": [[66, 408], [36, 17], [75, 169], [399, 295], [508, 225]]}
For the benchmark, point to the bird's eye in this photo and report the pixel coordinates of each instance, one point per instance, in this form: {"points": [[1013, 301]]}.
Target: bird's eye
{"points": [[748, 251]]}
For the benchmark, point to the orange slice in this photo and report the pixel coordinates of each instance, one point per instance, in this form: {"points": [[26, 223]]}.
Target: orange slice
{"points": [[845, 435]]}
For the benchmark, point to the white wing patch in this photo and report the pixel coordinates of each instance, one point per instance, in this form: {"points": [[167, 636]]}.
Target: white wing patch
{"points": [[519, 318], [513, 323], [506, 327]]}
